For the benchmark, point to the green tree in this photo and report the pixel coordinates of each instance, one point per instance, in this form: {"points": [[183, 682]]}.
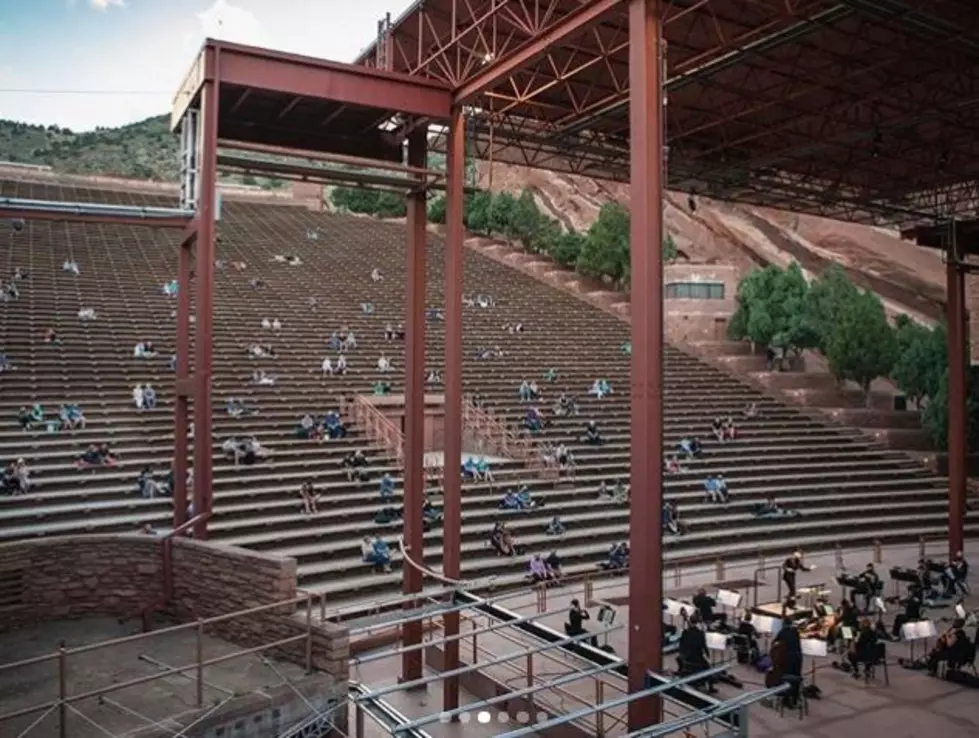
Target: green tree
{"points": [[823, 302], [786, 305], [437, 210], [501, 215], [752, 319], [669, 248], [922, 359], [566, 248], [526, 220], [862, 345], [477, 214], [605, 252]]}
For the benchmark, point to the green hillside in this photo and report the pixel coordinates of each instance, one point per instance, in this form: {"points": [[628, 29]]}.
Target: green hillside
{"points": [[143, 150]]}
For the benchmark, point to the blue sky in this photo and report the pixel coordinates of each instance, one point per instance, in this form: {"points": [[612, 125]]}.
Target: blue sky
{"points": [[57, 55]]}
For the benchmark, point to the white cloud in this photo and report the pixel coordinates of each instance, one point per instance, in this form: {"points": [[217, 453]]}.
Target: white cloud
{"points": [[230, 23], [106, 4]]}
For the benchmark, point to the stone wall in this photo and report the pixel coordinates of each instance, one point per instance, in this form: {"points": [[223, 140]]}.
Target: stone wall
{"points": [[79, 576]]}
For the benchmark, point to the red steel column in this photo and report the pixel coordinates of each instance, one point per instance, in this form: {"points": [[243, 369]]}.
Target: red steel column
{"points": [[411, 662], [204, 325], [957, 388], [180, 409], [646, 295], [452, 488]]}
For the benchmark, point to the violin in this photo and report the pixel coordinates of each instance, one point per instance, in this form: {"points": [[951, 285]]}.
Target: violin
{"points": [[945, 641]]}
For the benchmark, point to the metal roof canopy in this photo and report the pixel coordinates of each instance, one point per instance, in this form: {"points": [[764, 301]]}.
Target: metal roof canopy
{"points": [[286, 101], [866, 110]]}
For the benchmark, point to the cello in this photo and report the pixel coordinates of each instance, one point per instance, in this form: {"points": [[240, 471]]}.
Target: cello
{"points": [[779, 654]]}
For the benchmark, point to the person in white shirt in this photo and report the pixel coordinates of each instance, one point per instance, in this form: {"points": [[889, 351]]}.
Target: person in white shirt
{"points": [[138, 396], [341, 364], [350, 342], [86, 314], [266, 324], [70, 266], [383, 364], [376, 275], [327, 366], [276, 324]]}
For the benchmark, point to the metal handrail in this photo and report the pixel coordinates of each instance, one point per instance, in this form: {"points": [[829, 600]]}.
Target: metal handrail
{"points": [[378, 426]]}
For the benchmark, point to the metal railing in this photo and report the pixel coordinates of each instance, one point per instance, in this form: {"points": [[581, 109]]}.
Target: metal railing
{"points": [[63, 656], [378, 427], [501, 439], [166, 565]]}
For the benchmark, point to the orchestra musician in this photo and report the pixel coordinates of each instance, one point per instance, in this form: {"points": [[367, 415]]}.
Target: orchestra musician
{"points": [[823, 621], [847, 617], [953, 647], [705, 605], [912, 610], [693, 656], [748, 635], [870, 586], [924, 577], [790, 567], [863, 650], [956, 575], [790, 641]]}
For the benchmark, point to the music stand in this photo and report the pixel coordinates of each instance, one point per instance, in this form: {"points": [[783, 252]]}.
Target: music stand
{"points": [[678, 609], [716, 642], [920, 630], [728, 598], [606, 617], [813, 648]]}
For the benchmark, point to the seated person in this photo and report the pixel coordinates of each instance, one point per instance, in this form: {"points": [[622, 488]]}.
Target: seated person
{"points": [[334, 426], [72, 417], [149, 397], [565, 459], [367, 308], [620, 492], [70, 266], [554, 566], [550, 376], [430, 513], [528, 391], [750, 410], [483, 471], [955, 577], [533, 420], [309, 428], [341, 365], [256, 283], [170, 288], [488, 354], [377, 552], [618, 557], [592, 436], [717, 428], [434, 377], [913, 607], [237, 408], [51, 336], [381, 388], [566, 406], [556, 527], [672, 465], [747, 641], [693, 656], [245, 450], [97, 455], [383, 364], [600, 388], [144, 350], [537, 570], [729, 430], [387, 487], [5, 365], [147, 486], [86, 314], [864, 648], [434, 314], [501, 540], [17, 478], [715, 489], [356, 465], [770, 510], [510, 501], [705, 605], [954, 648], [376, 275], [333, 343], [671, 519], [260, 351], [626, 348], [512, 328], [348, 341], [309, 497], [690, 448], [259, 377]]}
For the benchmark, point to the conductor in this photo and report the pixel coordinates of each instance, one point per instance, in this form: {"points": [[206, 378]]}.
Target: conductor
{"points": [[790, 567], [576, 615]]}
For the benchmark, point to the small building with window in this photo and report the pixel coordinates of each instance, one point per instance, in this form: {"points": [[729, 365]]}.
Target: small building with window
{"points": [[699, 300]]}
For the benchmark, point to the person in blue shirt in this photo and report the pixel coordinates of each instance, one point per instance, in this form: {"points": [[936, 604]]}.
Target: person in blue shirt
{"points": [[387, 487]]}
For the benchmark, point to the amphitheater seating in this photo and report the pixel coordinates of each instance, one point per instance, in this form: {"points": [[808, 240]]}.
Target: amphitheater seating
{"points": [[848, 488]]}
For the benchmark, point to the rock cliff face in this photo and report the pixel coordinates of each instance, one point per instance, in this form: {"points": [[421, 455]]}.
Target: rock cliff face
{"points": [[908, 278]]}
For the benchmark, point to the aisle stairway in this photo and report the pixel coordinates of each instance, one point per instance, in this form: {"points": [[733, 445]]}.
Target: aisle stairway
{"points": [[848, 488]]}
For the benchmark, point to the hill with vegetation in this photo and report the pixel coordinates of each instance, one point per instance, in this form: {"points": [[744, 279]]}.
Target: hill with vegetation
{"points": [[142, 150]]}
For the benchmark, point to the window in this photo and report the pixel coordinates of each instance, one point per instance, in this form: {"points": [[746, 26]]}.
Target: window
{"points": [[695, 291]]}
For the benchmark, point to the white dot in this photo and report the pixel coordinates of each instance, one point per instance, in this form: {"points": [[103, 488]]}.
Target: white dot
{"points": [[502, 717], [464, 717], [483, 717], [523, 717], [445, 718]]}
